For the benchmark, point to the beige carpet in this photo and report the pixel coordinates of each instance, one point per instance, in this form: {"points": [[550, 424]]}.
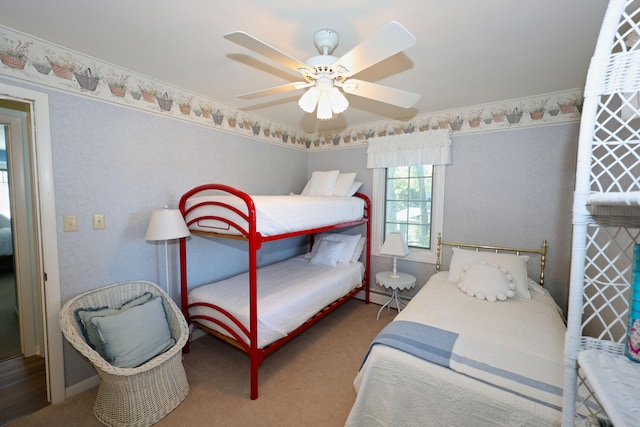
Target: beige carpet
{"points": [[308, 382]]}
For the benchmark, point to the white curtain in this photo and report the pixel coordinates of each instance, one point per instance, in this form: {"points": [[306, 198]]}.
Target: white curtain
{"points": [[409, 149]]}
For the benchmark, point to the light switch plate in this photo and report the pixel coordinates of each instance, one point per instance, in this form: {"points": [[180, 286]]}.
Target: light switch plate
{"points": [[70, 223], [98, 222]]}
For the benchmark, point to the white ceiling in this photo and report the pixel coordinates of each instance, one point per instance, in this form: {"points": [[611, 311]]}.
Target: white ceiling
{"points": [[468, 52]]}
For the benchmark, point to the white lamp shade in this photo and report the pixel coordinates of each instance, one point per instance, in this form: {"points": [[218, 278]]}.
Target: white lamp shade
{"points": [[339, 102], [394, 245], [309, 100], [167, 224], [328, 98], [324, 107]]}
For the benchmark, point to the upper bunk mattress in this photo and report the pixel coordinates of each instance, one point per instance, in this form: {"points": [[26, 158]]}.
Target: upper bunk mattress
{"points": [[275, 214]]}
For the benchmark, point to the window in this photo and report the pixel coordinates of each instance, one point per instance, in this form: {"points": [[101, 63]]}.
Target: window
{"points": [[409, 199], [408, 195]]}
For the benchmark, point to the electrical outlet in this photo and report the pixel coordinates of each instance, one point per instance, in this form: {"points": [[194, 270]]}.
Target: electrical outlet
{"points": [[70, 223], [98, 222]]}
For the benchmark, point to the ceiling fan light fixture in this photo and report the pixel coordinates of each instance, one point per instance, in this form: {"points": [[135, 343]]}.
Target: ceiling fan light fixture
{"points": [[309, 99], [339, 102], [324, 107]]}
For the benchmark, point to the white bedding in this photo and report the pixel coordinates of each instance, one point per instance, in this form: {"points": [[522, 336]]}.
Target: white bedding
{"points": [[289, 293], [396, 388], [278, 214]]}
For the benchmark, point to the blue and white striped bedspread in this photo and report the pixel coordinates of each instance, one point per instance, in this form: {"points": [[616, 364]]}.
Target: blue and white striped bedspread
{"points": [[526, 375]]}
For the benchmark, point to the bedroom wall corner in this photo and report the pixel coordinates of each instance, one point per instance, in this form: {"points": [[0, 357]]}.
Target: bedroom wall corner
{"points": [[510, 188]]}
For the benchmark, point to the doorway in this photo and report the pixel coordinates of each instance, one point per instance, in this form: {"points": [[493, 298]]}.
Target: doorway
{"points": [[21, 303], [10, 341], [44, 241]]}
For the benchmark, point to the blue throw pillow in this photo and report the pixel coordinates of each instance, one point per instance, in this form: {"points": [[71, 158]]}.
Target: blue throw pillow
{"points": [[135, 335], [90, 332]]}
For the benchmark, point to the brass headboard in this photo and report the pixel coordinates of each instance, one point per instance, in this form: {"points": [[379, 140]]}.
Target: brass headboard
{"points": [[517, 251]]}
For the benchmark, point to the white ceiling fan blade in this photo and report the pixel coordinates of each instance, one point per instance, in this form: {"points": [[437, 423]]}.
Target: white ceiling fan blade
{"points": [[275, 90], [258, 46], [377, 92], [386, 42]]}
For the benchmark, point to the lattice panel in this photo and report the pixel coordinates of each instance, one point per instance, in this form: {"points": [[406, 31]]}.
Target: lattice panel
{"points": [[587, 405], [615, 79], [606, 285], [616, 167]]}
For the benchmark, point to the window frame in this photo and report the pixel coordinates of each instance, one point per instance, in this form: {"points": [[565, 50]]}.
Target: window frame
{"points": [[437, 215]]}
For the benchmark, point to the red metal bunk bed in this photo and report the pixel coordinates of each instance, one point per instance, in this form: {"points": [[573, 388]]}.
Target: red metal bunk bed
{"points": [[246, 228]]}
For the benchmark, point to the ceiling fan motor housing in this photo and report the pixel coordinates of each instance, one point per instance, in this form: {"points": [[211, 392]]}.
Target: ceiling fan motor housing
{"points": [[326, 41]]}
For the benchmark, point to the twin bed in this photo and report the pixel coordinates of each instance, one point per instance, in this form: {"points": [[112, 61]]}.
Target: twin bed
{"points": [[480, 344], [260, 310], [463, 358]]}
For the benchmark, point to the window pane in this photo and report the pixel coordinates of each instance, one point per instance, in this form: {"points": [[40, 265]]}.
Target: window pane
{"points": [[419, 235], [408, 203]]}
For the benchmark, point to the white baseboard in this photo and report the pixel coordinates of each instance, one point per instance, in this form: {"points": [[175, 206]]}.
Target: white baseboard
{"points": [[81, 387]]}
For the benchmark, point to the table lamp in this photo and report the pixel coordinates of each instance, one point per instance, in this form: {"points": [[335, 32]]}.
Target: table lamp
{"points": [[394, 245]]}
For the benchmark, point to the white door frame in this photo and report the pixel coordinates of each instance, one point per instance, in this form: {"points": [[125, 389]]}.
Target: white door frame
{"points": [[24, 261], [45, 213]]}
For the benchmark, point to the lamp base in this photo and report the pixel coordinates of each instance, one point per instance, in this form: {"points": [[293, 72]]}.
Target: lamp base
{"points": [[394, 274]]}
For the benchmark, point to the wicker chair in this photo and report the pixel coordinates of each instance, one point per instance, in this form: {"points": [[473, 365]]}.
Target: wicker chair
{"points": [[138, 396]]}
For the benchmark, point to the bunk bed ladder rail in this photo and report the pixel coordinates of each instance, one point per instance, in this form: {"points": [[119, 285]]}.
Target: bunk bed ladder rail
{"points": [[255, 242]]}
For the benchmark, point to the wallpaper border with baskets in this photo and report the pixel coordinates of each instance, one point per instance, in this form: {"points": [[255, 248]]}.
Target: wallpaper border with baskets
{"points": [[28, 58]]}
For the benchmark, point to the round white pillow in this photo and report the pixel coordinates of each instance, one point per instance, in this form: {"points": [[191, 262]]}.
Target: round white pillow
{"points": [[486, 281]]}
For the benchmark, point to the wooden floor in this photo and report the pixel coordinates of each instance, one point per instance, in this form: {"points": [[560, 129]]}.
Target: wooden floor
{"points": [[23, 388]]}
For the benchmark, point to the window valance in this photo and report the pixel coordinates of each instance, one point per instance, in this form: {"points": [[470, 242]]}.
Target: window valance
{"points": [[409, 149]]}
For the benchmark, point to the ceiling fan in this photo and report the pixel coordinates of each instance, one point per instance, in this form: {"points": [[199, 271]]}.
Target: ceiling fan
{"points": [[324, 74]]}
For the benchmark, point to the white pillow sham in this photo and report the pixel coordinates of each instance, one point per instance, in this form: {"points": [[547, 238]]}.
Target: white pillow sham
{"points": [[354, 188], [514, 264], [486, 281], [344, 183], [321, 183], [350, 245], [328, 252], [359, 249]]}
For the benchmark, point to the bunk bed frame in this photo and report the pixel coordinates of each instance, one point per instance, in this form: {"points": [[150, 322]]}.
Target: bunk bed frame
{"points": [[255, 239]]}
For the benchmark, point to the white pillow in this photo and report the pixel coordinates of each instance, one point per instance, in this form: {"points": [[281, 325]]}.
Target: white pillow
{"points": [[359, 249], [344, 183], [535, 287], [136, 335], [487, 282], [328, 253], [321, 183], [515, 264], [350, 245], [354, 188]]}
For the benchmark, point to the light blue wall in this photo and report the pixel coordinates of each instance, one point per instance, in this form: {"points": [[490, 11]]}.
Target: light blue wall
{"points": [[510, 188], [125, 163]]}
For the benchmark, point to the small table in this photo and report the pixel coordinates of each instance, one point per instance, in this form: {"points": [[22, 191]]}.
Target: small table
{"points": [[405, 281]]}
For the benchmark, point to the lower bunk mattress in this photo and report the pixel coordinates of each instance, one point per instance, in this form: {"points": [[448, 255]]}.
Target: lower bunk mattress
{"points": [[289, 293], [490, 363]]}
